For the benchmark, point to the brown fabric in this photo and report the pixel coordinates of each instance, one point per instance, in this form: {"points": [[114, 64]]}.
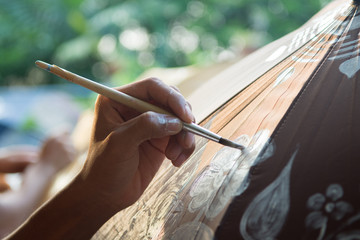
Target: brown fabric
{"points": [[309, 187]]}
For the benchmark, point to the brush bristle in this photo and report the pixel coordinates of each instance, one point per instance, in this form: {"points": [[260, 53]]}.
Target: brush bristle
{"points": [[231, 144]]}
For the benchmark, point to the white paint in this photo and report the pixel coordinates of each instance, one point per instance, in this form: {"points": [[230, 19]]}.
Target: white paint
{"points": [[235, 181], [284, 75], [304, 60], [345, 55], [345, 49], [330, 207], [276, 54], [350, 42], [192, 230], [355, 24], [312, 48], [350, 67], [204, 188], [221, 180], [341, 39], [266, 214], [309, 54]]}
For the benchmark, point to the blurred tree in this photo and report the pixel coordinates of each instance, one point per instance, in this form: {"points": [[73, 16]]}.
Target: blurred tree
{"points": [[105, 39]]}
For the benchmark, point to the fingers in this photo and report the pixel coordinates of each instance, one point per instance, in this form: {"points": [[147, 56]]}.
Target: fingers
{"points": [[180, 148], [153, 89], [16, 159], [119, 124], [57, 151], [15, 163], [150, 125]]}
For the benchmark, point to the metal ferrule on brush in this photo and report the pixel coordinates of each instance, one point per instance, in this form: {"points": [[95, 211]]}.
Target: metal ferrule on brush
{"points": [[196, 129]]}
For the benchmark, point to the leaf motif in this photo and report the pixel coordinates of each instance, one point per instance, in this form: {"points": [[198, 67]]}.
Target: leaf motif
{"points": [[266, 214], [350, 67]]}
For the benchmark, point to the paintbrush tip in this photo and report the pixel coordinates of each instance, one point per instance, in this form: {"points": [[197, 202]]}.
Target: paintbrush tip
{"points": [[43, 65], [232, 144]]}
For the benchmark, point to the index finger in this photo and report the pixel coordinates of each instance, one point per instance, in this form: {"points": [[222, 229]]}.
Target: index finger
{"points": [[153, 89]]}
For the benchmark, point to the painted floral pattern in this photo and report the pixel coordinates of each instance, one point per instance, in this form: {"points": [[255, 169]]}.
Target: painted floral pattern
{"points": [[327, 207]]}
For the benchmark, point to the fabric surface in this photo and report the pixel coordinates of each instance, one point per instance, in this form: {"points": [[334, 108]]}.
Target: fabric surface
{"points": [[308, 188], [295, 105]]}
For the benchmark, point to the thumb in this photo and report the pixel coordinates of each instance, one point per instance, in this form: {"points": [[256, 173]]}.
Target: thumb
{"points": [[151, 125]]}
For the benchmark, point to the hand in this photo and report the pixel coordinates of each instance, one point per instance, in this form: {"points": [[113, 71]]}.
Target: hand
{"points": [[57, 152], [16, 159], [127, 148]]}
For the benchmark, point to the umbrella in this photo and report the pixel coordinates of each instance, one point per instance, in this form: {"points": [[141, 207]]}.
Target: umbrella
{"points": [[295, 104]]}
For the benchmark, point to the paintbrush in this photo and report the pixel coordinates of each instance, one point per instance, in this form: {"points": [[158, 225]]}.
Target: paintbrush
{"points": [[132, 102]]}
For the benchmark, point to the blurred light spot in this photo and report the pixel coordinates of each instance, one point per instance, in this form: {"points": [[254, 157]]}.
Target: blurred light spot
{"points": [[73, 50], [93, 5], [44, 41], [195, 9], [107, 45], [146, 59], [217, 19], [99, 70], [183, 39], [276, 6], [14, 180], [2, 108], [156, 40], [258, 19], [170, 10], [225, 55], [135, 39], [237, 42], [208, 41], [35, 77]]}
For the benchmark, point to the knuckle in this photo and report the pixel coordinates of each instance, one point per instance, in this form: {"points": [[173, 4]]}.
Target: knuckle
{"points": [[151, 123], [154, 81], [176, 88], [147, 122], [148, 119]]}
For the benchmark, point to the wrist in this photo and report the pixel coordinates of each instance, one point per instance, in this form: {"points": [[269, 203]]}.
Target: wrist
{"points": [[92, 203]]}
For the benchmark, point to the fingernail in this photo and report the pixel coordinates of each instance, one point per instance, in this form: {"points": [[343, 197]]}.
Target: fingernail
{"points": [[173, 125]]}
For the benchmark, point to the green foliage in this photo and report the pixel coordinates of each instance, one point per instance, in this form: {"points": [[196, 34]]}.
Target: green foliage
{"points": [[29, 124], [113, 40]]}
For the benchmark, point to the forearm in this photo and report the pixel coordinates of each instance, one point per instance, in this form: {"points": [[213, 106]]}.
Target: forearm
{"points": [[74, 213]]}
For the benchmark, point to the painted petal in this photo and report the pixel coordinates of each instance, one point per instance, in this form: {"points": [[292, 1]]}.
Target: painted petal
{"points": [[315, 220], [341, 208], [334, 192], [192, 230], [350, 67], [316, 201], [266, 214]]}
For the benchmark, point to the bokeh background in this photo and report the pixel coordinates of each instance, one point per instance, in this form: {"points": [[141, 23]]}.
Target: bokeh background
{"points": [[114, 42]]}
